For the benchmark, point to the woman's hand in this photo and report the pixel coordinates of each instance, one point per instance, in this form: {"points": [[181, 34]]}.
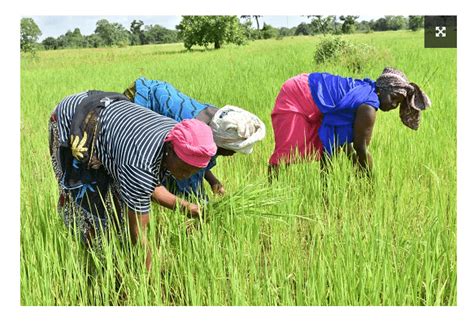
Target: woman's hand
{"points": [[168, 200], [194, 213], [218, 189], [216, 185], [192, 210]]}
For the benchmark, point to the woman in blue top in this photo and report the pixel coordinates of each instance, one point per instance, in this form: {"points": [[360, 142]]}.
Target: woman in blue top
{"points": [[317, 113], [234, 129]]}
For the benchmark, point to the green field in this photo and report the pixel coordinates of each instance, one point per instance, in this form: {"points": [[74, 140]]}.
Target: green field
{"points": [[391, 241]]}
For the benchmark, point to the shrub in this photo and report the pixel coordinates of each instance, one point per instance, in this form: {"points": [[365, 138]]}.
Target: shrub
{"points": [[354, 57]]}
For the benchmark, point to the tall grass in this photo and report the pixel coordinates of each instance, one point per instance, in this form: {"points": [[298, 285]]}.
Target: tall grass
{"points": [[302, 240]]}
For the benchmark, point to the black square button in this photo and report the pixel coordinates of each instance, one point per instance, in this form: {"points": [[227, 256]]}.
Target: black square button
{"points": [[440, 31]]}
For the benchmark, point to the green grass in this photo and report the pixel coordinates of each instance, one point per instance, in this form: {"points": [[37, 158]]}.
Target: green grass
{"points": [[389, 242]]}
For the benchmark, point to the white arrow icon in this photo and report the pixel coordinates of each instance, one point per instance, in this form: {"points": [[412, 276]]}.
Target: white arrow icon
{"points": [[441, 31]]}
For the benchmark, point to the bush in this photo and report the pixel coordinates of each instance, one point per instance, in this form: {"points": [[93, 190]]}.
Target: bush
{"points": [[354, 57]]}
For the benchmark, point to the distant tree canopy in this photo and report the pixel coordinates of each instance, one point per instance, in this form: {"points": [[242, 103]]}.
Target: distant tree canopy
{"points": [[415, 22], [159, 34], [205, 30], [332, 24], [390, 23], [73, 39], [349, 25], [256, 17], [284, 31], [268, 31], [109, 34], [112, 33], [304, 29], [395, 23], [137, 35], [50, 43], [323, 25], [29, 34]]}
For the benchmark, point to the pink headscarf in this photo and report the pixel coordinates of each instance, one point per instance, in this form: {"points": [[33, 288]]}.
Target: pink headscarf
{"points": [[193, 142]]}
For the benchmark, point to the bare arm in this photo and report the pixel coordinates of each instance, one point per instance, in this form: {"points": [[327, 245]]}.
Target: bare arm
{"points": [[351, 153], [207, 114], [363, 126], [138, 223], [163, 197], [216, 185]]}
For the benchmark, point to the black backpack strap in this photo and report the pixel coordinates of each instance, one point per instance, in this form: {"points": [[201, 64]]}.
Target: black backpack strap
{"points": [[85, 122]]}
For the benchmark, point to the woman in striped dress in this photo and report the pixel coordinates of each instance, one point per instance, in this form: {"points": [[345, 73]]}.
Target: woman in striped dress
{"points": [[234, 129], [110, 156], [317, 113]]}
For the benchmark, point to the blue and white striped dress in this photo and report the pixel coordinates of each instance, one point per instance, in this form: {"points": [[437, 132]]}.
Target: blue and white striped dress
{"points": [[129, 145]]}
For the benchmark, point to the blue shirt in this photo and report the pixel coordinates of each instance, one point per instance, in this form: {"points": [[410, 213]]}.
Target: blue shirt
{"points": [[162, 98], [338, 98], [192, 186]]}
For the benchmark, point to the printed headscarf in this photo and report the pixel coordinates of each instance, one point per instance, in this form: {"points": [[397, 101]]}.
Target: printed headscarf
{"points": [[415, 100]]}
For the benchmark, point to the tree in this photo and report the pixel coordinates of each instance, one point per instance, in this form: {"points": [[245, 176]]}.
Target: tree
{"points": [[321, 24], [364, 26], [269, 31], [284, 31], [29, 34], [94, 41], [113, 34], [50, 43], [304, 29], [248, 30], [395, 23], [138, 36], [349, 24], [415, 22], [204, 30], [72, 39], [380, 24], [158, 34], [249, 17]]}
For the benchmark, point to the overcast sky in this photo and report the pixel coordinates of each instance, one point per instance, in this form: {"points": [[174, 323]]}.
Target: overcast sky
{"points": [[56, 25]]}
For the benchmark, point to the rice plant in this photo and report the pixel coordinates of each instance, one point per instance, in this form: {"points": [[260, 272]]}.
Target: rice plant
{"points": [[306, 239]]}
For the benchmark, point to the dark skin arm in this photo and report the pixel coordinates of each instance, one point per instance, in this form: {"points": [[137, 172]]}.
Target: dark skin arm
{"points": [[351, 153], [363, 126], [216, 185], [138, 223], [163, 197], [207, 114]]}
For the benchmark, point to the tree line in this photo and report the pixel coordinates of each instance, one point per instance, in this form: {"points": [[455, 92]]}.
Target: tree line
{"points": [[205, 31], [107, 34]]}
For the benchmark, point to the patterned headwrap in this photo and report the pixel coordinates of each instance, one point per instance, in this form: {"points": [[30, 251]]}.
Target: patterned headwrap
{"points": [[415, 100]]}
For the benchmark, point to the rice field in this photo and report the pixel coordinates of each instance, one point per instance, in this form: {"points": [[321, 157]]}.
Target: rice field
{"points": [[306, 239]]}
